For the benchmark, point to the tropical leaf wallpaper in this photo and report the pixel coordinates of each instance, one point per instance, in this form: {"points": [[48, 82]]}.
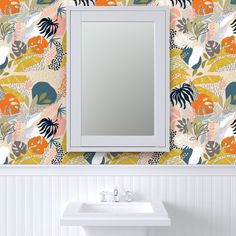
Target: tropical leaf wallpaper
{"points": [[33, 83]]}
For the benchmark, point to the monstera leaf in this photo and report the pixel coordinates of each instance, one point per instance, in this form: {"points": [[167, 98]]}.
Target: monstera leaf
{"points": [[19, 48], [212, 148], [212, 48], [19, 148]]}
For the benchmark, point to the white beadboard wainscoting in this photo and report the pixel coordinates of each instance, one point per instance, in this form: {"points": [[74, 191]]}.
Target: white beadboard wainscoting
{"points": [[201, 200]]}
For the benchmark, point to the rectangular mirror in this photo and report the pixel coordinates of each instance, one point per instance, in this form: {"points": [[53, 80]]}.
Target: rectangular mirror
{"points": [[118, 79]]}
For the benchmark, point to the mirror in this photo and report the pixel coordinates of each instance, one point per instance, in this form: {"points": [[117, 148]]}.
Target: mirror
{"points": [[118, 79], [118, 92]]}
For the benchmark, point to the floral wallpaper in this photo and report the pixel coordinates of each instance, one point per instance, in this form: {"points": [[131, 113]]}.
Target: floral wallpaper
{"points": [[33, 83]]}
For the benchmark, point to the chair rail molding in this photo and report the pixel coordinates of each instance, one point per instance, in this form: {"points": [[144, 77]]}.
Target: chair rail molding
{"points": [[112, 170]]}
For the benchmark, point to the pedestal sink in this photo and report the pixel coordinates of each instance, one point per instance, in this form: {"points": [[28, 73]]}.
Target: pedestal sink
{"points": [[115, 219]]}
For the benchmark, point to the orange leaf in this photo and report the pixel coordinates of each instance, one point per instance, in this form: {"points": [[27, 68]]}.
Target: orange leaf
{"points": [[38, 44], [9, 7], [203, 7], [9, 105], [203, 105], [229, 44], [37, 144], [229, 144]]}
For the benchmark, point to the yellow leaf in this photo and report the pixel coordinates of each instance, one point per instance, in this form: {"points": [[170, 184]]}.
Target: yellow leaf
{"points": [[178, 76], [222, 160], [210, 94], [28, 63], [18, 95], [125, 160], [27, 161], [207, 79], [172, 158], [64, 42], [176, 82], [175, 52], [74, 158], [14, 79], [221, 63]]}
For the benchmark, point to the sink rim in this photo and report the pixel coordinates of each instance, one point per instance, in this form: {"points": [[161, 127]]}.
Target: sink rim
{"points": [[71, 216]]}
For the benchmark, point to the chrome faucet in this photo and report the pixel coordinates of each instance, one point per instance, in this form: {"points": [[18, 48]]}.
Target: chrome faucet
{"points": [[116, 195]]}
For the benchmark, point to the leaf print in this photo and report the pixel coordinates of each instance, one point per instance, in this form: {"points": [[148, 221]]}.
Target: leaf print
{"points": [[19, 48], [210, 94], [178, 76], [172, 158], [37, 144], [181, 3], [212, 48], [45, 1], [198, 29], [9, 7], [47, 127], [48, 27], [183, 125], [9, 105], [233, 126], [44, 93], [14, 79], [142, 2], [218, 64], [229, 44], [37, 44], [19, 148], [207, 79], [18, 95], [222, 160], [233, 26], [230, 93], [31, 61], [6, 128], [182, 95], [212, 148], [28, 160], [229, 144], [199, 129], [101, 2], [183, 25], [203, 105], [88, 3], [6, 28], [203, 7]]}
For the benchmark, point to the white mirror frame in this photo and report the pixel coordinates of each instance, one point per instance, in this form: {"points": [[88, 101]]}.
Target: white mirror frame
{"points": [[160, 140]]}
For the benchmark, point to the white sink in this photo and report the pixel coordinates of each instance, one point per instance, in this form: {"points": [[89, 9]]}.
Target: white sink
{"points": [[110, 214]]}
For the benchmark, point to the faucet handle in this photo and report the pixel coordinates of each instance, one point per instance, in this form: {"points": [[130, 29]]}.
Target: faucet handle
{"points": [[116, 195], [128, 196], [103, 196]]}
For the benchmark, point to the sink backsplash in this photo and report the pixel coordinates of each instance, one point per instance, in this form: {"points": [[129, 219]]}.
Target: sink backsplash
{"points": [[33, 84]]}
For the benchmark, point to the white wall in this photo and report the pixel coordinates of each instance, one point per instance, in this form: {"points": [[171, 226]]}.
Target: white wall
{"points": [[201, 200]]}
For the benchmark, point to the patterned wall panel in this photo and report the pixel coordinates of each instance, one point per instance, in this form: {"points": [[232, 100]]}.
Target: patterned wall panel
{"points": [[33, 83]]}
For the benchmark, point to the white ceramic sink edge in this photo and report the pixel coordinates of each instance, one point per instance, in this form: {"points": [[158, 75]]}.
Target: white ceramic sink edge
{"points": [[115, 214]]}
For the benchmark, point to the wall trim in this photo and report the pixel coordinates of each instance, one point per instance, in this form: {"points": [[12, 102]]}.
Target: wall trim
{"points": [[118, 170]]}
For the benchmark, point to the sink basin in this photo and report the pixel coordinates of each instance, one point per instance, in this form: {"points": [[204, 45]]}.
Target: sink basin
{"points": [[116, 208], [115, 214]]}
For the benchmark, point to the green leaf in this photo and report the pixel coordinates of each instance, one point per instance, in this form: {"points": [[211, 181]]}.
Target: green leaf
{"points": [[42, 96]]}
